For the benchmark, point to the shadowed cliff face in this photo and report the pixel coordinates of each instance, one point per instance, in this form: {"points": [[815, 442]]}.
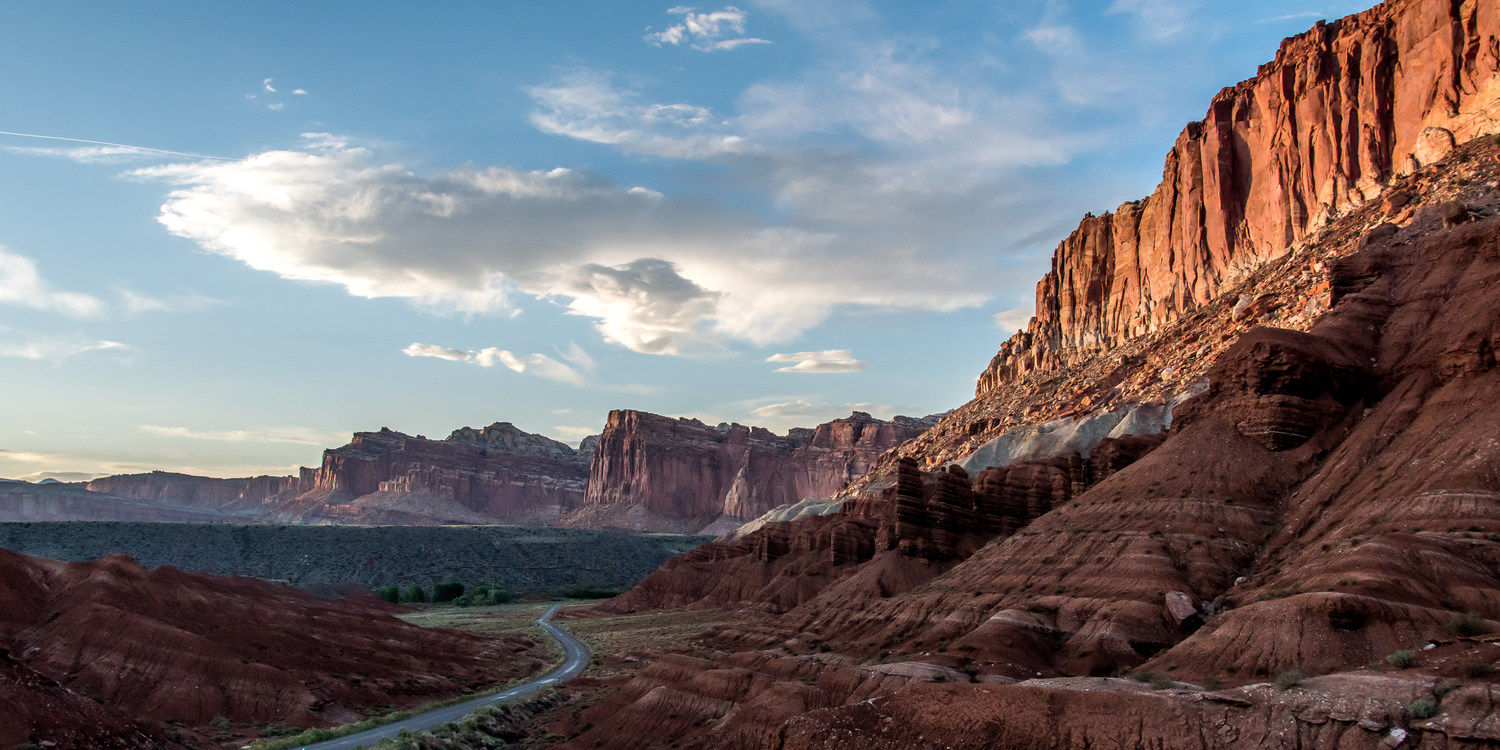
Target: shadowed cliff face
{"points": [[1341, 109], [657, 473]]}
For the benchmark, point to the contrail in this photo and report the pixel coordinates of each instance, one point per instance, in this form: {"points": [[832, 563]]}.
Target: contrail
{"points": [[116, 145]]}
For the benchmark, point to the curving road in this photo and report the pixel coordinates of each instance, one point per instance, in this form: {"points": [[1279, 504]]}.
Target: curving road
{"points": [[575, 658]]}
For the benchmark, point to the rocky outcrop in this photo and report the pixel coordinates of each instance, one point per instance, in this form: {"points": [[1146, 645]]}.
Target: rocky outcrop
{"points": [[881, 543], [1322, 128], [658, 473]]}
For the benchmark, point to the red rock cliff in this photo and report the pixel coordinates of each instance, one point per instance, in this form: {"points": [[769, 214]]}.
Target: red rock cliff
{"points": [[682, 469], [498, 474], [1342, 109]]}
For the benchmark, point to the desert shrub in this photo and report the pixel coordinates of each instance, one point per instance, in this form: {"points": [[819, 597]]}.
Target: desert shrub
{"points": [[1144, 676], [463, 601], [219, 721], [1211, 682], [415, 594], [446, 592], [278, 730], [1468, 624], [389, 593], [1161, 682], [585, 592], [1402, 659], [1479, 669], [939, 676], [30, 746], [1290, 678], [1445, 687], [1421, 709]]}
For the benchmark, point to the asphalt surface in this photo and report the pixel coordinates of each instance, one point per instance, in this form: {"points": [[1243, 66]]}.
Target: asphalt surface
{"points": [[575, 658]]}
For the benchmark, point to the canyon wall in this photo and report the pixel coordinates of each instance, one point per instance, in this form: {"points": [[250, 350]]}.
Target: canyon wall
{"points": [[655, 473], [193, 491], [646, 472], [1322, 128], [499, 474]]}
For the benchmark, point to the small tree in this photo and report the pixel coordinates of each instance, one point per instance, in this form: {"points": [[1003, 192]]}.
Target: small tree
{"points": [[415, 594], [389, 593], [446, 592]]}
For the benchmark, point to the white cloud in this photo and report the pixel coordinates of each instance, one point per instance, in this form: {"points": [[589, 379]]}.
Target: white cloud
{"points": [[782, 416], [134, 302], [57, 348], [828, 360], [267, 86], [573, 434], [659, 274], [438, 352], [1158, 20], [293, 435], [299, 92], [586, 105], [274, 106], [73, 467], [540, 365], [1013, 320], [706, 32], [21, 284]]}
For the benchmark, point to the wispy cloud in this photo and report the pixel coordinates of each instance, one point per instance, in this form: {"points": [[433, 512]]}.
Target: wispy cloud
{"points": [[68, 467], [540, 365], [586, 105], [22, 284], [783, 415], [97, 151], [266, 85], [1158, 20], [1013, 320], [293, 435], [133, 302], [574, 434], [826, 361], [1302, 16], [706, 32], [57, 348]]}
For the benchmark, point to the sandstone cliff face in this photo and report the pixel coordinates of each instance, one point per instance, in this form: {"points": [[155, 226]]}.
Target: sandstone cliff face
{"points": [[656, 472], [495, 475], [1320, 129]]}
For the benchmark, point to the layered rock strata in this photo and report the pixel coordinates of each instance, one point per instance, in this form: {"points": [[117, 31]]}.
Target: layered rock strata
{"points": [[1320, 129], [882, 543], [658, 473]]}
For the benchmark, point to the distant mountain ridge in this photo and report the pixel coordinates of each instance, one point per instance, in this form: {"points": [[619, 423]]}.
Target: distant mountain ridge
{"points": [[680, 475]]}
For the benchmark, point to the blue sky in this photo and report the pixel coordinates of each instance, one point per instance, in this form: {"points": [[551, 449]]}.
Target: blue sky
{"points": [[284, 222]]}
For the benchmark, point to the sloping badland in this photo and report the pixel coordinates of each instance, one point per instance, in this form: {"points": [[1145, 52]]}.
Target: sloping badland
{"points": [[108, 654]]}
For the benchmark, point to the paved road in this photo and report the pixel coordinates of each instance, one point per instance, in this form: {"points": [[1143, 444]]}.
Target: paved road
{"points": [[576, 657]]}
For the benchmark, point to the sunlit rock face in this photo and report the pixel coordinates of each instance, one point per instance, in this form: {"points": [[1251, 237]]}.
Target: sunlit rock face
{"points": [[1341, 110]]}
